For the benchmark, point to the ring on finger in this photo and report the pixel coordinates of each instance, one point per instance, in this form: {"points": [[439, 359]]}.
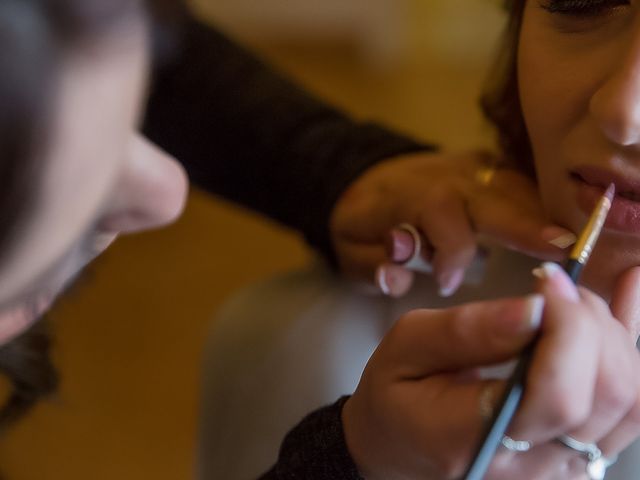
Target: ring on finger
{"points": [[597, 463], [484, 175], [518, 446], [416, 261], [486, 401]]}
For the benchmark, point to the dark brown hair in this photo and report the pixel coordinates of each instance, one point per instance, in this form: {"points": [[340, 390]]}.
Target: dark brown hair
{"points": [[500, 101]]}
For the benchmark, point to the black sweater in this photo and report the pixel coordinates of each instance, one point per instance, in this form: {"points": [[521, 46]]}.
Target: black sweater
{"points": [[247, 134]]}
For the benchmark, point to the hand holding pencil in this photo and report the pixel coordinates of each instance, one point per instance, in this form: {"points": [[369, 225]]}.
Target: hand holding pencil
{"points": [[420, 409]]}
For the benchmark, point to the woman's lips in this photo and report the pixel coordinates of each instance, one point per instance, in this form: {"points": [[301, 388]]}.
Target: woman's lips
{"points": [[624, 215]]}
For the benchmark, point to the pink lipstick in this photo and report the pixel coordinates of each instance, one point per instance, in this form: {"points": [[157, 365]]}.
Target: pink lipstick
{"points": [[624, 215]]}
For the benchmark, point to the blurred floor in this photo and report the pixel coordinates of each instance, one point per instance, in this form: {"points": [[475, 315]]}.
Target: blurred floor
{"points": [[129, 340]]}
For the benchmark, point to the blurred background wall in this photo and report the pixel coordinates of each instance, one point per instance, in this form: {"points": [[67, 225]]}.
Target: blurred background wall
{"points": [[129, 340]]}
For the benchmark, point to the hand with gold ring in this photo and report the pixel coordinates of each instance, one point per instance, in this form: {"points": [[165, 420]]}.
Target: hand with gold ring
{"points": [[451, 200]]}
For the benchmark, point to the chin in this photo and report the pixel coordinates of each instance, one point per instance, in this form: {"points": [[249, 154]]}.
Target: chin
{"points": [[612, 256], [595, 280]]}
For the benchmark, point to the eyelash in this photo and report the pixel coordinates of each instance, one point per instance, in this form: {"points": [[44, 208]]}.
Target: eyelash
{"points": [[582, 8]]}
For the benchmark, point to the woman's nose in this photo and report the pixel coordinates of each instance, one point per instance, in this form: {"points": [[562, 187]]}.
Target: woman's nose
{"points": [[616, 103], [151, 192]]}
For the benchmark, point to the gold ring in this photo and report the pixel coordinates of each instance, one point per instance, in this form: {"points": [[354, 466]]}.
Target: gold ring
{"points": [[484, 175], [486, 402]]}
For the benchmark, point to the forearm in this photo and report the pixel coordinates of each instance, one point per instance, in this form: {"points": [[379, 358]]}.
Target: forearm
{"points": [[315, 449], [248, 134]]}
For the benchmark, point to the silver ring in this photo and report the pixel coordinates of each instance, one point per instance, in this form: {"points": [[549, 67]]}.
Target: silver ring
{"points": [[589, 450], [597, 463], [518, 446], [416, 262]]}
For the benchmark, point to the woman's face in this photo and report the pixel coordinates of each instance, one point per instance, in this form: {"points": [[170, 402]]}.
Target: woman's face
{"points": [[100, 178], [579, 79]]}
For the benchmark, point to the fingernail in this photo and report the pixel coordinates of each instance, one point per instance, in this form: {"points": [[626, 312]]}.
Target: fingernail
{"points": [[559, 237], [517, 319], [400, 245], [553, 272], [546, 270], [534, 310], [381, 280], [450, 282]]}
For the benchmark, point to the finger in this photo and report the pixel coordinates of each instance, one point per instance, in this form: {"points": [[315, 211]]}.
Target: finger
{"points": [[516, 229], [509, 211], [447, 227], [624, 434], [517, 187], [625, 302], [616, 387], [394, 280], [616, 414], [359, 260], [561, 381], [359, 214], [424, 342], [400, 245]]}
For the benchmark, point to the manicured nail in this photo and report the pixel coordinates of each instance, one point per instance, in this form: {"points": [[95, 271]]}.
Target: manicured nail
{"points": [[523, 320], [552, 272], [400, 245], [381, 280], [534, 310], [559, 237], [450, 282], [546, 270]]}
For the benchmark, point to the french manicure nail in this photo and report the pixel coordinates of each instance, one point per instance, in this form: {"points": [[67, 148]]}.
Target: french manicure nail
{"points": [[381, 280], [546, 270], [564, 241], [559, 237], [450, 282], [400, 245], [527, 320], [553, 272], [533, 316]]}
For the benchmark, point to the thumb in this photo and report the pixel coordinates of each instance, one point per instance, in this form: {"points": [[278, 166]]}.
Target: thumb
{"points": [[625, 302], [424, 342]]}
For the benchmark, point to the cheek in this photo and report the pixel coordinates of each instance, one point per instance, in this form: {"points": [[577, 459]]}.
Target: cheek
{"points": [[553, 107], [543, 112]]}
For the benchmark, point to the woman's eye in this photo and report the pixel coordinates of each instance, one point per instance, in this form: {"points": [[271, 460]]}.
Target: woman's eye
{"points": [[582, 8]]}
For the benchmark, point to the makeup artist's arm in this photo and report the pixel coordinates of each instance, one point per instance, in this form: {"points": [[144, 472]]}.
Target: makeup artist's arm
{"points": [[247, 133], [448, 198], [251, 135]]}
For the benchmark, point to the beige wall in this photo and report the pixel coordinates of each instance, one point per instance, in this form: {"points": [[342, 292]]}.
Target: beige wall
{"points": [[456, 30]]}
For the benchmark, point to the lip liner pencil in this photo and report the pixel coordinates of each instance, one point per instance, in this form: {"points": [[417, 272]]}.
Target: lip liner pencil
{"points": [[506, 408]]}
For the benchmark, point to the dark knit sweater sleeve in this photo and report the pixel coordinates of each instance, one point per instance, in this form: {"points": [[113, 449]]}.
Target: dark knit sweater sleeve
{"points": [[316, 449], [246, 133]]}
